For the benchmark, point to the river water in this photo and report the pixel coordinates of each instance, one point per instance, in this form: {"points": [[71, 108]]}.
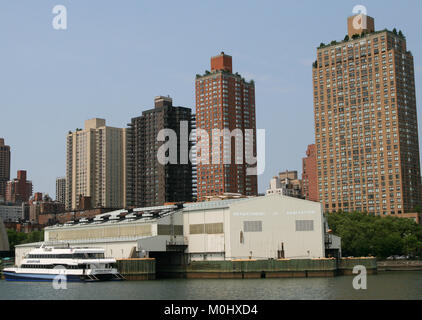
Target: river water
{"points": [[384, 285]]}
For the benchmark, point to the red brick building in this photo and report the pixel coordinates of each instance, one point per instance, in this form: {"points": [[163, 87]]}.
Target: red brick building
{"points": [[310, 174], [224, 101], [366, 129], [19, 190], [41, 205]]}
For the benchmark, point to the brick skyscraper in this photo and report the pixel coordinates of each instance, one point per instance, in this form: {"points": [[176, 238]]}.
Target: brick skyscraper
{"points": [[365, 123], [310, 175], [224, 101], [4, 168], [150, 182]]}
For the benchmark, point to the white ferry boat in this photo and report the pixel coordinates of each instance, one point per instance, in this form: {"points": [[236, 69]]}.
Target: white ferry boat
{"points": [[77, 264]]}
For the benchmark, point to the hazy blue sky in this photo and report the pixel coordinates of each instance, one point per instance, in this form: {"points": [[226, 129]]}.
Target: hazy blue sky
{"points": [[116, 56]]}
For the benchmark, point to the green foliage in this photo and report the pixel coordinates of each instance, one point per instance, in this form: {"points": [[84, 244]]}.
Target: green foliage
{"points": [[355, 36], [346, 38], [363, 235], [16, 238]]}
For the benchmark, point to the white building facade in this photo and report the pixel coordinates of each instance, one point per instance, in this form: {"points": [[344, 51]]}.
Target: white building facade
{"points": [[269, 227]]}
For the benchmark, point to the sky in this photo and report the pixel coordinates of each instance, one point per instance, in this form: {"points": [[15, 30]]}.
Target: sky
{"points": [[116, 56]]}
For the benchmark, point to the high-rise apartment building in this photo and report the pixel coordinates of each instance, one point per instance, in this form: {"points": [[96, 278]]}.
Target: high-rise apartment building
{"points": [[4, 168], [19, 190], [61, 190], [365, 122], [224, 100], [96, 165], [310, 174], [151, 181]]}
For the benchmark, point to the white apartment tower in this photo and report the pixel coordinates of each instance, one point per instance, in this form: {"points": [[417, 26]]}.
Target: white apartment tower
{"points": [[96, 165]]}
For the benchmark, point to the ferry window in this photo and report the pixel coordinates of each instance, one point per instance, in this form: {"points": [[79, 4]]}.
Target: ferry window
{"points": [[96, 255]]}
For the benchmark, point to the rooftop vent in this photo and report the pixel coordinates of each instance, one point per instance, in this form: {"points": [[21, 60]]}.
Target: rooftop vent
{"points": [[123, 214]]}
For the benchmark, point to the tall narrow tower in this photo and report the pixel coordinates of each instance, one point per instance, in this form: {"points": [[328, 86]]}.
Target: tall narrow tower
{"points": [[366, 129], [225, 101], [61, 190], [153, 183], [4, 168]]}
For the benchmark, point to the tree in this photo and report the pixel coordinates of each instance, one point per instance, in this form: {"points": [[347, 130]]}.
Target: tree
{"points": [[364, 234], [17, 238], [346, 38]]}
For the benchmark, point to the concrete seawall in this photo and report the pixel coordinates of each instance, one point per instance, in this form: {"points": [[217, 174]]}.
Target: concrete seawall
{"points": [[346, 265], [400, 265], [137, 269], [285, 268]]}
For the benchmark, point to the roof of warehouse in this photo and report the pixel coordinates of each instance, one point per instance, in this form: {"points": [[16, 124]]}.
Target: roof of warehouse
{"points": [[83, 241], [212, 204], [114, 217], [149, 214]]}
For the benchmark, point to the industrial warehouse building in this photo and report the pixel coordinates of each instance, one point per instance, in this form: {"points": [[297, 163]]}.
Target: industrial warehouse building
{"points": [[268, 227], [273, 226]]}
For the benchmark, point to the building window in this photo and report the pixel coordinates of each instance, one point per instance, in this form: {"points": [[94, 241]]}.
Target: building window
{"points": [[304, 225], [252, 226]]}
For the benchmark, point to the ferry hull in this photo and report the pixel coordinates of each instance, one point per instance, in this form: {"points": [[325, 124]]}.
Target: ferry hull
{"points": [[31, 277]]}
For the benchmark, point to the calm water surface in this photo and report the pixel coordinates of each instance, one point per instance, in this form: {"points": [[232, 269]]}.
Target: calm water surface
{"points": [[386, 285]]}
